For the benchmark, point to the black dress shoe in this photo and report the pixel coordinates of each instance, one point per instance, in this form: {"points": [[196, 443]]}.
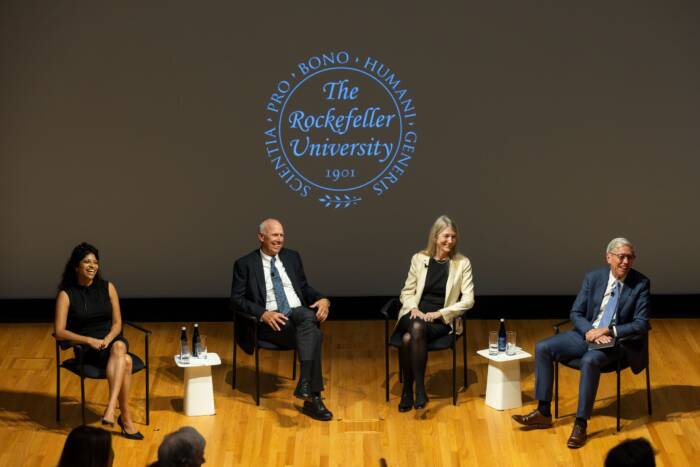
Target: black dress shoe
{"points": [[317, 410], [126, 434], [534, 419], [421, 401], [406, 402], [303, 391], [578, 436]]}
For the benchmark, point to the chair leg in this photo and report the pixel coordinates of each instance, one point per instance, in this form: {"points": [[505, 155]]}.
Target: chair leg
{"points": [[464, 355], [618, 398], [148, 384], [294, 365], [233, 376], [556, 389], [58, 387], [648, 390], [454, 373], [82, 396], [386, 371], [257, 377]]}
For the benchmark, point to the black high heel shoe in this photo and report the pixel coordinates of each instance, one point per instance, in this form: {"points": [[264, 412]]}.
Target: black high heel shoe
{"points": [[136, 435], [106, 422], [421, 401], [406, 402]]}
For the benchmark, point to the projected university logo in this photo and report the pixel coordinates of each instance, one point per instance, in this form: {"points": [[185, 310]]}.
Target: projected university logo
{"points": [[340, 128]]}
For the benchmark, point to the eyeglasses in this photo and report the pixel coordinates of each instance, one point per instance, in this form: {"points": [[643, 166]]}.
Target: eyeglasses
{"points": [[623, 257]]}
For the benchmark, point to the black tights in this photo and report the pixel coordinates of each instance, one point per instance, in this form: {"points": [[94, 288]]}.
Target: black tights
{"points": [[414, 355]]}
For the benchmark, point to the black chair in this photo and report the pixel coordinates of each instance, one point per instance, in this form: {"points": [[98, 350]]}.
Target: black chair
{"points": [[76, 366], [619, 364], [246, 323], [390, 311]]}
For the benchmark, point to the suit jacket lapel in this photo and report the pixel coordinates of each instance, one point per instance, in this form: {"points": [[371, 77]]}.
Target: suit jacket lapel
{"points": [[260, 277], [290, 266], [450, 280], [624, 295], [422, 274], [600, 286]]}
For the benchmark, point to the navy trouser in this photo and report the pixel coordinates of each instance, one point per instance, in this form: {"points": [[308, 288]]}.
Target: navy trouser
{"points": [[565, 346]]}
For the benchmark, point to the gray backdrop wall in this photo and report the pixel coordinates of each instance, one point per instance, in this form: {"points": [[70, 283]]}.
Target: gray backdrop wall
{"points": [[545, 129]]}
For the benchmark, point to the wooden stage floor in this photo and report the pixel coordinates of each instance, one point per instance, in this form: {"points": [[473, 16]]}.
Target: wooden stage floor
{"points": [[366, 430]]}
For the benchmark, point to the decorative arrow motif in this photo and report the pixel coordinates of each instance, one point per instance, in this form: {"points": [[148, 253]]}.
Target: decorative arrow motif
{"points": [[336, 201]]}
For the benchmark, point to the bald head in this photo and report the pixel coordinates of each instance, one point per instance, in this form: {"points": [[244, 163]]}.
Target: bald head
{"points": [[271, 236], [270, 221]]}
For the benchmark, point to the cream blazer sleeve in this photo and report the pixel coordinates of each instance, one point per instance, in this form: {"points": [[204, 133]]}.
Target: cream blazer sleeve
{"points": [[459, 293], [415, 281]]}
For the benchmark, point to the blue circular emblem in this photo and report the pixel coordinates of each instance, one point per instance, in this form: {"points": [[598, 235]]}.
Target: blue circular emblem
{"points": [[340, 128]]}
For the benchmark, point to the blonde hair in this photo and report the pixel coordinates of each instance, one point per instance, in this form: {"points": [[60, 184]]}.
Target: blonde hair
{"points": [[441, 223]]}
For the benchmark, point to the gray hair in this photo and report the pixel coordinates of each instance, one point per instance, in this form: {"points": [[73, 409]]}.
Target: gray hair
{"points": [[184, 447], [618, 242]]}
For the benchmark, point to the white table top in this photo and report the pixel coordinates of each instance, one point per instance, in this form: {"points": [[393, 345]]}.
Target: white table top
{"points": [[211, 360], [502, 357]]}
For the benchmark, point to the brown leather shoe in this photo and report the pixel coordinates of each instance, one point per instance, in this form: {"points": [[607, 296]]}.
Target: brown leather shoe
{"points": [[534, 419], [578, 437]]}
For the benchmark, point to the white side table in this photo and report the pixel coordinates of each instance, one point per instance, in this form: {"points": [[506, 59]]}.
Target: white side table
{"points": [[199, 390], [503, 381]]}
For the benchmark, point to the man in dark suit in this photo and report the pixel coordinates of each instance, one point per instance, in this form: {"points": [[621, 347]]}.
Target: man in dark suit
{"points": [[613, 303], [270, 284]]}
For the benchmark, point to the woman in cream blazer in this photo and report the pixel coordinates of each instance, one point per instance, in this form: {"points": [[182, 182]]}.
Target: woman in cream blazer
{"points": [[438, 289]]}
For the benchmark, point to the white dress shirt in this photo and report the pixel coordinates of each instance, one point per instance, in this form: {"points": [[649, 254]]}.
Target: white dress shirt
{"points": [[612, 280], [270, 300]]}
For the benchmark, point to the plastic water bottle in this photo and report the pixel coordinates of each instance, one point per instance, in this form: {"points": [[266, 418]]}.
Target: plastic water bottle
{"points": [[502, 336], [184, 348], [195, 341]]}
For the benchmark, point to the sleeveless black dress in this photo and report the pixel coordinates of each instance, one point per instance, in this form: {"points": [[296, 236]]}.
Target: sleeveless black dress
{"points": [[432, 299], [90, 314]]}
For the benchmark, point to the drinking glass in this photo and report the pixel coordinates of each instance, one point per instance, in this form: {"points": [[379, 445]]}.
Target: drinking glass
{"points": [[510, 343], [203, 346], [493, 343]]}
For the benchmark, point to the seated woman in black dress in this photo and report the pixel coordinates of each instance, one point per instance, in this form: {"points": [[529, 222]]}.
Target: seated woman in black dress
{"points": [[438, 289], [88, 313]]}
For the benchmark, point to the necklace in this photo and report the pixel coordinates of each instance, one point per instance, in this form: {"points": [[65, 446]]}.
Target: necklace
{"points": [[441, 261]]}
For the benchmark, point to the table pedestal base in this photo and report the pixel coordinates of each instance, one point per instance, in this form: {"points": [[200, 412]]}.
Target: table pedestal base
{"points": [[199, 391], [503, 385]]}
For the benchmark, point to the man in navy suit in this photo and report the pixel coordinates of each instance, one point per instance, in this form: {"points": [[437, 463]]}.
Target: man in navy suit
{"points": [[613, 303], [271, 285]]}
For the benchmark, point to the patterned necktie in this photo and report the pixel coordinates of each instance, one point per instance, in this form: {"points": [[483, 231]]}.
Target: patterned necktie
{"points": [[280, 296], [610, 307]]}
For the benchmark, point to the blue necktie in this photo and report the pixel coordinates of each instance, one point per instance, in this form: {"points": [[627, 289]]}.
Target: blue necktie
{"points": [[280, 296], [610, 307]]}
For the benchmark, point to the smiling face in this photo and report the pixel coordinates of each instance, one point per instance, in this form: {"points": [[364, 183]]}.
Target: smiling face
{"points": [[87, 268], [271, 238], [445, 242], [620, 260]]}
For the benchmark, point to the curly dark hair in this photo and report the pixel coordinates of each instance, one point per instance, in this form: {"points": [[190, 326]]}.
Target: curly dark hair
{"points": [[69, 277]]}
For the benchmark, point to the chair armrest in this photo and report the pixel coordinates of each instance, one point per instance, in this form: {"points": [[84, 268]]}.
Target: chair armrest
{"points": [[388, 306], [556, 326], [66, 344], [136, 326], [246, 316], [630, 338]]}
